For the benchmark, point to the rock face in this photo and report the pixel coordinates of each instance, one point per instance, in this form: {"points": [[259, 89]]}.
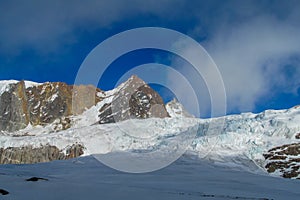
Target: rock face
{"points": [[133, 99], [13, 106], [47, 102], [43, 104], [28, 154], [175, 109], [284, 160], [57, 103]]}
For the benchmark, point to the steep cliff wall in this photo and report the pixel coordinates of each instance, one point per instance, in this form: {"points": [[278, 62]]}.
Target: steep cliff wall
{"points": [[42, 104]]}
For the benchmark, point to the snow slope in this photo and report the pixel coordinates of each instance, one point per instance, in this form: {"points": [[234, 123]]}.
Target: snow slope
{"points": [[248, 136], [187, 178], [224, 157], [240, 143]]}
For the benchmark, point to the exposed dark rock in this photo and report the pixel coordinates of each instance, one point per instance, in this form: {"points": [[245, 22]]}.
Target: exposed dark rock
{"points": [[135, 99], [13, 107], [284, 159], [4, 192], [145, 103], [34, 179], [23, 135], [29, 154], [74, 151], [55, 102], [48, 102], [106, 114], [43, 104], [297, 136]]}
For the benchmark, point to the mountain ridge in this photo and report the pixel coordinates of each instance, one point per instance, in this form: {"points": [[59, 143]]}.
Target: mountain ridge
{"points": [[262, 142], [25, 102]]}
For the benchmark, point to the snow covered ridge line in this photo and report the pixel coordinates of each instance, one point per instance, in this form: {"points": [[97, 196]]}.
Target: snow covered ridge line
{"points": [[4, 84]]}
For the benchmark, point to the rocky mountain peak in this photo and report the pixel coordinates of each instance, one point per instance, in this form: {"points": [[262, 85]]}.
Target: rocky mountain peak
{"points": [[133, 99], [23, 103]]}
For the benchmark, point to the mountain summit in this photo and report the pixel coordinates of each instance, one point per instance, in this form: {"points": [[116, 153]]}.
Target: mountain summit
{"points": [[42, 122], [132, 99], [24, 103]]}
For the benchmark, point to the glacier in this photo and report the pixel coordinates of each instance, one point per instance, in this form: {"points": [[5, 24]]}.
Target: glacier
{"points": [[184, 157], [239, 141]]}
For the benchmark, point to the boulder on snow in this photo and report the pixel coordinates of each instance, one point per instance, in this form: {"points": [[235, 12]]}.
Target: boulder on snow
{"points": [[3, 192], [35, 179]]}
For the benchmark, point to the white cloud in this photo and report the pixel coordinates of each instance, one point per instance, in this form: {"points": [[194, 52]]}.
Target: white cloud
{"points": [[252, 57], [256, 48]]}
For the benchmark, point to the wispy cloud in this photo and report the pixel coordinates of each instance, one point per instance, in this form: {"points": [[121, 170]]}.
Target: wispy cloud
{"points": [[256, 58]]}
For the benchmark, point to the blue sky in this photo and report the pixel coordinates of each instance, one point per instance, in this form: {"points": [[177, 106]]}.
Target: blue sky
{"points": [[255, 44]]}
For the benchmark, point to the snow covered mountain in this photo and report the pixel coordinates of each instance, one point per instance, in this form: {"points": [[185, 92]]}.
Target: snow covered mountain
{"points": [[260, 143], [29, 109]]}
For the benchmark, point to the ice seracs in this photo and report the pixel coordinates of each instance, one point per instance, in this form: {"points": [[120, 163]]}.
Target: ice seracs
{"points": [[244, 141]]}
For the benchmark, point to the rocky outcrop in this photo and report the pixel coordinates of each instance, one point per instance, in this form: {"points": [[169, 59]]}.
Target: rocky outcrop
{"points": [[43, 104], [56, 103], [29, 154], [133, 99], [175, 109], [48, 102], [13, 108], [284, 160]]}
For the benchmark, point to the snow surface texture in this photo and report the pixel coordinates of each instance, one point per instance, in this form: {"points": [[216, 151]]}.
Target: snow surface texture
{"points": [[187, 178]]}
